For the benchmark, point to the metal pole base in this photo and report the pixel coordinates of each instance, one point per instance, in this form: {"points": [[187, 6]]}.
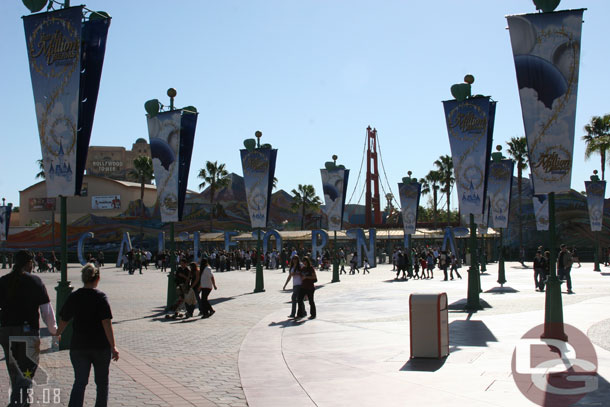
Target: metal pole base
{"points": [[171, 290], [501, 271], [259, 287], [553, 320], [596, 257], [335, 273], [64, 289]]}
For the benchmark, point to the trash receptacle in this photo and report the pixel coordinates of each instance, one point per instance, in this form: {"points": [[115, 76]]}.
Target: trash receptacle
{"points": [[429, 325]]}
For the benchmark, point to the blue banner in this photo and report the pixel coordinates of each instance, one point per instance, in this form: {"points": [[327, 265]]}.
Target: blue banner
{"points": [[546, 48], [409, 204], [499, 184], [188, 124], [541, 211], [334, 185], [93, 49], [54, 49], [5, 220], [259, 169], [596, 192], [470, 127], [171, 146]]}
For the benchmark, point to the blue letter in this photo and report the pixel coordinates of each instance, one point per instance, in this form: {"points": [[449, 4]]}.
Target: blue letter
{"points": [[81, 244]]}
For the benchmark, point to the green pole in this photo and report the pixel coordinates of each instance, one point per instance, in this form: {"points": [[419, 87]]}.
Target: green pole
{"points": [[171, 277], [596, 256], [409, 257], [63, 287], [260, 284], [553, 308], [501, 270], [473, 302], [335, 260], [483, 254]]}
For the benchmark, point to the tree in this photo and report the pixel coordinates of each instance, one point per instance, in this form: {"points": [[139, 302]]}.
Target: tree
{"points": [[304, 198], [41, 174], [143, 172], [444, 165], [598, 139], [390, 210], [517, 149], [216, 176], [431, 183]]}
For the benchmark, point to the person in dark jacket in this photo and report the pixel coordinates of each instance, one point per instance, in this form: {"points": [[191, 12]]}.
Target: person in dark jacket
{"points": [[92, 337], [23, 298]]}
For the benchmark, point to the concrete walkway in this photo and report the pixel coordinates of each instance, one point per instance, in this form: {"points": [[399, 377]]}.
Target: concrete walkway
{"points": [[356, 353]]}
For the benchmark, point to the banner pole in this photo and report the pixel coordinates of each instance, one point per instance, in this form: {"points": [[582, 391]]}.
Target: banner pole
{"points": [[260, 284], [473, 303], [171, 277], [596, 256], [553, 310], [501, 270], [63, 287], [335, 260]]}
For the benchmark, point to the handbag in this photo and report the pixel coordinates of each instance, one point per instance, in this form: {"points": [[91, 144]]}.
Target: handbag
{"points": [[190, 298]]}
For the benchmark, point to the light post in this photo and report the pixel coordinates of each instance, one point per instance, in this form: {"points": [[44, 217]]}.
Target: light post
{"points": [[259, 285], [172, 133], [4, 259]]}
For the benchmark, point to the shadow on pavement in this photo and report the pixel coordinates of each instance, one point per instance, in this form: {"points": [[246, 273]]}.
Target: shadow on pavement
{"points": [[605, 274], [502, 290], [598, 397], [470, 333], [459, 305], [423, 365], [288, 323], [396, 280]]}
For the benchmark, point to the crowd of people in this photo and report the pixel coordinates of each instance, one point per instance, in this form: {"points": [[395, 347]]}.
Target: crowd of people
{"points": [[425, 259], [542, 267]]}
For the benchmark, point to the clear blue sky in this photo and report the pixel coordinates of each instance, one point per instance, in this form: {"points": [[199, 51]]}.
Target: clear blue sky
{"points": [[311, 75]]}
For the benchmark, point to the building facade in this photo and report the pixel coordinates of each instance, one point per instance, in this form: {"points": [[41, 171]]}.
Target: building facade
{"points": [[99, 196], [115, 162]]}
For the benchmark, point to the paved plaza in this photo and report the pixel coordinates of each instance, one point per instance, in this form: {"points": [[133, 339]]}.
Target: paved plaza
{"points": [[355, 353]]}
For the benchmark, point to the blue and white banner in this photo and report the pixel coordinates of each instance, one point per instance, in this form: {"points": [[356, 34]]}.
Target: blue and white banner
{"points": [[94, 35], [499, 184], [596, 192], [54, 49], [5, 220], [541, 211], [546, 47], [171, 146], [66, 57], [409, 204], [470, 126], [482, 220], [334, 184], [259, 168]]}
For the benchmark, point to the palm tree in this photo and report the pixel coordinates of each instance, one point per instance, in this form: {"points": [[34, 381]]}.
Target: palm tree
{"points": [[517, 149], [444, 165], [143, 172], [433, 180], [216, 176], [41, 174], [598, 139], [304, 197]]}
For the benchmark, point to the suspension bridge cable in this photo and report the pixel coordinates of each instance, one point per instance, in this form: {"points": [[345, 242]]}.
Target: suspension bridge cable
{"points": [[359, 172], [386, 175]]}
